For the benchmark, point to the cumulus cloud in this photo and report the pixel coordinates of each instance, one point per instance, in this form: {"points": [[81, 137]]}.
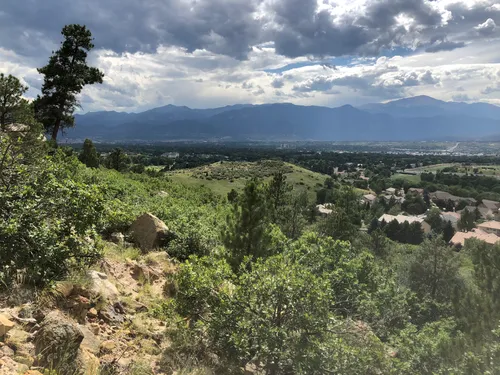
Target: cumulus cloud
{"points": [[487, 27], [206, 53]]}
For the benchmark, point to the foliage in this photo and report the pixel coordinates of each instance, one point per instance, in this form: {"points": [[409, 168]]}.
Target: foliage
{"points": [[64, 78], [11, 99], [48, 218], [89, 156], [246, 234], [117, 160], [467, 219]]}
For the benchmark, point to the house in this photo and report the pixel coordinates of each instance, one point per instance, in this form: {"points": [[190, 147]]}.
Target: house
{"points": [[483, 211], [460, 237], [444, 196], [452, 217], [492, 227], [390, 191], [368, 199], [397, 199], [325, 209], [416, 191], [493, 206], [410, 219], [170, 155]]}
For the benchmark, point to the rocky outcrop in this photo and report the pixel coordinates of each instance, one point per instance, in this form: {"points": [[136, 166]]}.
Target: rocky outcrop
{"points": [[101, 286], [58, 346], [149, 232], [57, 343], [5, 325]]}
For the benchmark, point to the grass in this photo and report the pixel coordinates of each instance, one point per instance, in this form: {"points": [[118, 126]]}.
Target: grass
{"points": [[222, 177], [415, 179]]}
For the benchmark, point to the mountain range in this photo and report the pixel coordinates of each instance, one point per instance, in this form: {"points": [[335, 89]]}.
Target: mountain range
{"points": [[411, 119]]}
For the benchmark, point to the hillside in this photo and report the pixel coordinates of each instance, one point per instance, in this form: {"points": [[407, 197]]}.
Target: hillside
{"points": [[223, 177], [418, 118]]}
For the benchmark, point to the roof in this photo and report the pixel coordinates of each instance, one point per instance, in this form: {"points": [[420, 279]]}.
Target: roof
{"points": [[416, 190], [324, 209], [492, 205], [443, 195], [490, 225], [370, 197], [390, 190], [460, 237], [450, 216]]}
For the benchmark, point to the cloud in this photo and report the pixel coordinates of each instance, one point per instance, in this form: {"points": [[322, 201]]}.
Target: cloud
{"points": [[491, 89], [461, 98], [487, 27], [278, 83], [444, 45]]}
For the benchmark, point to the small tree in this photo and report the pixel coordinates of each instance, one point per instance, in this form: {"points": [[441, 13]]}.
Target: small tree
{"points": [[11, 99], [65, 76], [448, 231], [247, 226], [466, 222], [89, 156], [118, 160]]}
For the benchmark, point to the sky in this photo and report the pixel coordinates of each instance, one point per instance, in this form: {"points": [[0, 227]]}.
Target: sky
{"points": [[211, 53]]}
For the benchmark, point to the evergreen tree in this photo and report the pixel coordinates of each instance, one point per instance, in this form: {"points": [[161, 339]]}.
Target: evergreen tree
{"points": [[466, 222], [11, 99], [434, 220], [277, 191], [89, 155], [448, 231], [118, 160], [232, 196], [246, 233], [64, 78]]}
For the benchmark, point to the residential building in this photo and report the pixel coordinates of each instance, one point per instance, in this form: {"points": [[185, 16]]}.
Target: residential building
{"points": [[492, 227], [460, 237], [368, 199], [444, 196], [390, 191], [416, 191], [325, 209], [410, 219], [452, 217]]}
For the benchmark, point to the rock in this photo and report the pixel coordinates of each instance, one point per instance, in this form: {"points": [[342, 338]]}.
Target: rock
{"points": [[79, 307], [92, 314], [33, 372], [94, 327], [148, 232], [163, 194], [10, 367], [103, 287], [88, 364], [57, 344], [110, 315], [90, 341], [108, 346], [117, 238], [6, 351], [144, 273], [5, 325]]}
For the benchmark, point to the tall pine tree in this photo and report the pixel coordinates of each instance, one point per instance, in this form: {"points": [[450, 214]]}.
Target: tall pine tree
{"points": [[64, 78]]}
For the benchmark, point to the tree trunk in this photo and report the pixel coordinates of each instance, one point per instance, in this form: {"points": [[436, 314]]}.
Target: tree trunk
{"points": [[55, 131]]}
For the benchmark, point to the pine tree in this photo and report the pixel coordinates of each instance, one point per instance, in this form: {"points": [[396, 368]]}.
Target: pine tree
{"points": [[89, 156], [64, 77], [448, 231], [11, 99], [246, 233]]}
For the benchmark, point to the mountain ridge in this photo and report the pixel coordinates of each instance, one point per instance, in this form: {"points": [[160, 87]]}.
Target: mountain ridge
{"points": [[408, 119]]}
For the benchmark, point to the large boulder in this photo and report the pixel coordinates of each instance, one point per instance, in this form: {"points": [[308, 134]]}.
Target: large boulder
{"points": [[102, 287], [5, 325], [58, 346], [148, 232]]}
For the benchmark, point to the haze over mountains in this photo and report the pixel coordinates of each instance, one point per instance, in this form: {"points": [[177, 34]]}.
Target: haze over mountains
{"points": [[411, 119]]}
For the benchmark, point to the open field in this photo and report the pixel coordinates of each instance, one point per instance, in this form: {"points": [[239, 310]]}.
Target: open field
{"points": [[461, 169], [407, 177], [222, 177]]}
